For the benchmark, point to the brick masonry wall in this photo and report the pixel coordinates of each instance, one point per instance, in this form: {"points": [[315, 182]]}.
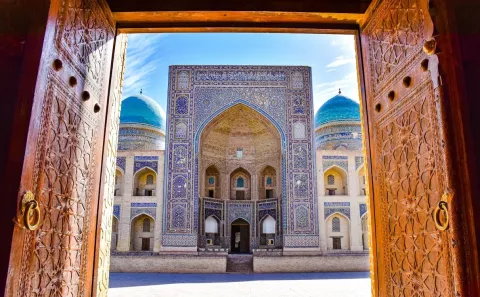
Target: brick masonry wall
{"points": [[168, 264], [327, 263]]}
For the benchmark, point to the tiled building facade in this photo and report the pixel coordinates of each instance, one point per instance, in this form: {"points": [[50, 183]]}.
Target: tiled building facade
{"points": [[240, 164]]}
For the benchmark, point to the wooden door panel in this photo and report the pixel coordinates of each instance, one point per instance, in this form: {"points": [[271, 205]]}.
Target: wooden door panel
{"points": [[413, 257], [64, 153]]}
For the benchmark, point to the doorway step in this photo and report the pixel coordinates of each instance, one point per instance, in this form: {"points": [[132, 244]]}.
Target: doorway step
{"points": [[238, 263]]}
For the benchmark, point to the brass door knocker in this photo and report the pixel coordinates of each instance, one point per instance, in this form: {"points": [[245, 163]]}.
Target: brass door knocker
{"points": [[30, 211], [442, 208]]}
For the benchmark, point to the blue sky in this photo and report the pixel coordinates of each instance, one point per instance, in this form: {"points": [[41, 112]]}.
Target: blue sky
{"points": [[331, 57]]}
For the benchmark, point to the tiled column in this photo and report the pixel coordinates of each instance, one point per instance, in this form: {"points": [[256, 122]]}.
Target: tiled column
{"points": [[321, 201], [124, 224], [355, 223]]}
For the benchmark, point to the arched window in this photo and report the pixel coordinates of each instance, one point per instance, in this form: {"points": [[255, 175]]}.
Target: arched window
{"points": [[269, 181], [146, 225], [211, 180], [149, 179], [331, 179], [240, 182], [335, 224]]}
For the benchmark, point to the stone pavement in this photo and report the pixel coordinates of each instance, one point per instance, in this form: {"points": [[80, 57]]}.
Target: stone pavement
{"points": [[331, 284]]}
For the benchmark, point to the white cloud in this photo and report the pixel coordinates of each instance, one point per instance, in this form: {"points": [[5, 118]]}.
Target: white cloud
{"points": [[324, 91], [339, 61], [141, 61]]}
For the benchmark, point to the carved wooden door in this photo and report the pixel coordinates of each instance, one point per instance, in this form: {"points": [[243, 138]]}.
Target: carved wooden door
{"points": [[410, 177], [62, 166]]}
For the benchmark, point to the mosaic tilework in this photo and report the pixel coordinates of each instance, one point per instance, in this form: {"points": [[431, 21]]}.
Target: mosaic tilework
{"points": [[281, 94], [137, 137], [299, 241], [358, 162], [212, 100], [340, 161], [337, 135], [116, 211], [145, 161], [121, 162], [267, 208], [180, 240], [136, 211], [363, 209], [143, 204], [340, 207]]}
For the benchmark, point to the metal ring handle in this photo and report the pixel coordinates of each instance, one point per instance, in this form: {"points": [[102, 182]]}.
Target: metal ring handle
{"points": [[31, 215], [442, 206]]}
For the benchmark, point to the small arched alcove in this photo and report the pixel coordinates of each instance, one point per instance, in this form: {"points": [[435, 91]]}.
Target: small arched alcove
{"points": [[338, 232], [268, 227], [365, 231], [142, 230], [240, 236], [118, 183], [212, 230], [240, 185], [362, 182], [113, 244], [335, 179], [145, 182], [212, 182], [267, 183]]}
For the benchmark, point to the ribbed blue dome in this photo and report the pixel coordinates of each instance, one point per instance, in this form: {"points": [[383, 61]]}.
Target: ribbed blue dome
{"points": [[337, 109], [142, 110]]}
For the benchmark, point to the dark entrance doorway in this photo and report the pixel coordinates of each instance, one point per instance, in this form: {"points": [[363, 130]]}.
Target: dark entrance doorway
{"points": [[145, 244], [240, 237]]}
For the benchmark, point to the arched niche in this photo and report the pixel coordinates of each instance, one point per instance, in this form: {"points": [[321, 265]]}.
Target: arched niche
{"points": [[142, 233], [335, 180], [240, 184], [239, 137], [338, 232], [114, 241], [364, 220], [145, 181], [268, 227], [118, 182], [267, 183], [362, 182], [212, 231], [212, 182]]}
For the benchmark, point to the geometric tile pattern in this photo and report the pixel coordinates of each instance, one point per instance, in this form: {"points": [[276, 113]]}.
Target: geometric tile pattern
{"points": [[280, 93]]}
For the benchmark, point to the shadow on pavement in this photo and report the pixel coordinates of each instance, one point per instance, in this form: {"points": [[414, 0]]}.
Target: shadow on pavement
{"points": [[121, 280]]}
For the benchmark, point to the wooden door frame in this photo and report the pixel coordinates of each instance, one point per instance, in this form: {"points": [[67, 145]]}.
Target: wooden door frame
{"points": [[286, 22], [257, 21]]}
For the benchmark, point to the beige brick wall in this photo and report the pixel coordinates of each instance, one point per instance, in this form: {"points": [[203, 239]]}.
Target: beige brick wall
{"points": [[168, 264], [330, 263]]}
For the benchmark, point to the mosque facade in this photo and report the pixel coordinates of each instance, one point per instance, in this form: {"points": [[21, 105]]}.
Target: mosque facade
{"points": [[240, 163]]}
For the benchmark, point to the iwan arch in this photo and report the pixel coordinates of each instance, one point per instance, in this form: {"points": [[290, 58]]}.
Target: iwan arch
{"points": [[240, 120], [419, 69]]}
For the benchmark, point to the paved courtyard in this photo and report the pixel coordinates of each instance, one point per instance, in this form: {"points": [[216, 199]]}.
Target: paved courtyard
{"points": [[347, 284]]}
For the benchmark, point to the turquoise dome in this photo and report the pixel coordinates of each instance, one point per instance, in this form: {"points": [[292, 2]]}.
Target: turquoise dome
{"points": [[337, 109], [142, 110]]}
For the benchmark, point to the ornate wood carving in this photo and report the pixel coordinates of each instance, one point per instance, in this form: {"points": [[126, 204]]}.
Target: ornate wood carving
{"points": [[64, 152], [110, 157], [407, 152]]}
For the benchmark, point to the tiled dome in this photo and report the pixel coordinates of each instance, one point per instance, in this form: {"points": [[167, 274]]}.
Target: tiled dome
{"points": [[337, 109], [142, 110]]}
